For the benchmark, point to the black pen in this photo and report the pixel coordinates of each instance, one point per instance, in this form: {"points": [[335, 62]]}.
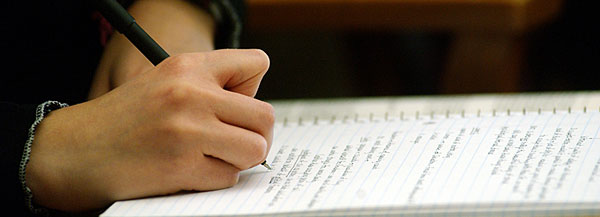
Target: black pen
{"points": [[121, 20]]}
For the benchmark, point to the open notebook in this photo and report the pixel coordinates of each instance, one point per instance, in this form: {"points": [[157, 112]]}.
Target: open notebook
{"points": [[496, 162]]}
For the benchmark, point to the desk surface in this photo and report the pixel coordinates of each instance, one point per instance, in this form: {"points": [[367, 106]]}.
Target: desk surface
{"points": [[499, 15]]}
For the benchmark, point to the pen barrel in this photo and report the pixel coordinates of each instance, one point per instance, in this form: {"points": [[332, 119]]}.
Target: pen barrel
{"points": [[143, 42], [121, 20]]}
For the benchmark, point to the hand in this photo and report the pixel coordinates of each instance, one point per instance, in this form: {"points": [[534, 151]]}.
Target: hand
{"points": [[191, 123]]}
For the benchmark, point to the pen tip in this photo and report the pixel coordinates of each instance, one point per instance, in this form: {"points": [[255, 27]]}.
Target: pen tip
{"points": [[266, 165]]}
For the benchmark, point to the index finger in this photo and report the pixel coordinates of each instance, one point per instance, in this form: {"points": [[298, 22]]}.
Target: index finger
{"points": [[239, 70]]}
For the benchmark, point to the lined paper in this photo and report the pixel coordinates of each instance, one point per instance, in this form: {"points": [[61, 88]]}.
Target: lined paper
{"points": [[475, 164], [307, 109]]}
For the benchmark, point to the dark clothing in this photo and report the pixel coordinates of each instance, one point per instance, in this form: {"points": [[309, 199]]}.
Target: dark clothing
{"points": [[15, 121], [51, 50]]}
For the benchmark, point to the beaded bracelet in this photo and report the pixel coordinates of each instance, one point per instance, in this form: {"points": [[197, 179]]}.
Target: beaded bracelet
{"points": [[42, 111]]}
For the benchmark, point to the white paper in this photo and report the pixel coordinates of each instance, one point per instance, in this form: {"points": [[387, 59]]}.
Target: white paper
{"points": [[340, 108], [489, 164]]}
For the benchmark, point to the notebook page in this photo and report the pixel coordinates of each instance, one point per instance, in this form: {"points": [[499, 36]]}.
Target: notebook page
{"points": [[438, 164], [292, 110]]}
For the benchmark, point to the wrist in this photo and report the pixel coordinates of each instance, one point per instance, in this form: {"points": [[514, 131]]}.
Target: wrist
{"points": [[41, 112]]}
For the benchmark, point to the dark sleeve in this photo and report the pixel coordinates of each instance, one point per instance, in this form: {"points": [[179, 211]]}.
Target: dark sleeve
{"points": [[15, 121], [230, 17]]}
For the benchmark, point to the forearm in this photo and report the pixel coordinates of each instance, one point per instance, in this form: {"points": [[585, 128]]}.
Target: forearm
{"points": [[177, 25]]}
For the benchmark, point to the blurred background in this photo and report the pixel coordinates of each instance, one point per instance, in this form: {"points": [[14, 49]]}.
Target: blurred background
{"points": [[342, 48]]}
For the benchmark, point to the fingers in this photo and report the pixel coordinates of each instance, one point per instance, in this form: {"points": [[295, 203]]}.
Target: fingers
{"points": [[247, 113], [213, 93], [239, 71], [241, 131], [213, 174], [236, 70], [237, 146]]}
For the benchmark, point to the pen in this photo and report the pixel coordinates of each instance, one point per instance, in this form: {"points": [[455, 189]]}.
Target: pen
{"points": [[121, 20]]}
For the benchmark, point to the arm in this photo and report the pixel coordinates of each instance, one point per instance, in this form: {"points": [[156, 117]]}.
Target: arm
{"points": [[190, 123], [177, 25]]}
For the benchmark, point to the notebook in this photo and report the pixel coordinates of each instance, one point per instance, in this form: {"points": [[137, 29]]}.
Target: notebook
{"points": [[501, 162]]}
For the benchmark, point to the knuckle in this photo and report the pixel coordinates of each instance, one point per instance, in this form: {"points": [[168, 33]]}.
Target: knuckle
{"points": [[180, 63], [268, 113], [180, 60], [176, 93], [264, 117]]}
